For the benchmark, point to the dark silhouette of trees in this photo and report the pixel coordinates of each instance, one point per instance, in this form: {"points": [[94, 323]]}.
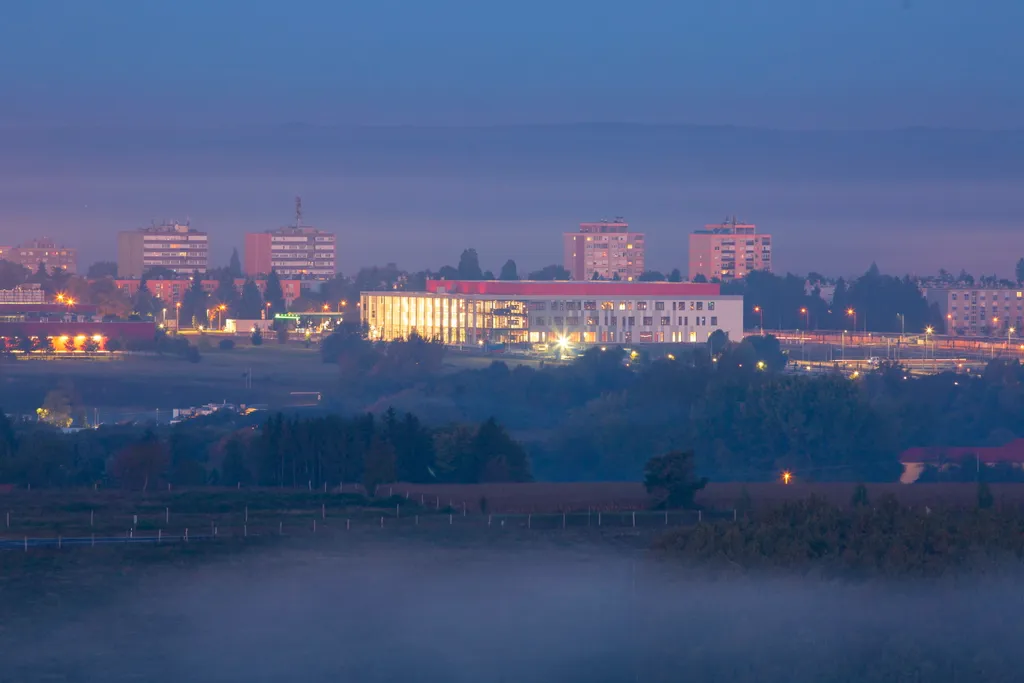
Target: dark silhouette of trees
{"points": [[235, 265], [194, 303], [273, 294], [672, 480], [250, 304], [102, 269], [509, 271], [651, 276], [469, 266], [141, 464], [552, 272]]}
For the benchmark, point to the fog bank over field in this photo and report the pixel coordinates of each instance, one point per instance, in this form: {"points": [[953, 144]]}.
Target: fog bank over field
{"points": [[417, 612]]}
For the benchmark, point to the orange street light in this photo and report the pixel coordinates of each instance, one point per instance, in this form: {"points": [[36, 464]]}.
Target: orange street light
{"points": [[760, 312], [326, 308], [787, 477], [807, 317], [853, 314]]}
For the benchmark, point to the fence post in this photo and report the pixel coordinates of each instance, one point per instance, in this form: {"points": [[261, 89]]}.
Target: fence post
{"points": [[93, 540], [398, 511], [246, 514], [734, 514], [417, 520], [26, 544], [437, 502], [245, 531], [599, 518], [186, 534], [588, 515], [8, 519], [488, 520], [92, 517], [167, 515], [529, 521], [314, 526], [463, 508], [563, 520], [700, 515], [135, 521], [59, 542], [323, 511], [382, 521], [348, 524], [666, 517], [159, 536], [634, 518], [449, 519], [280, 528]]}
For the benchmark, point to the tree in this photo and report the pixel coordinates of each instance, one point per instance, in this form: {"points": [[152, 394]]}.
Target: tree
{"points": [[379, 467], [273, 294], [700, 277], [102, 269], [670, 478], [56, 408], [717, 341], [469, 265], [12, 274], [8, 446], [250, 305], [256, 337], [140, 464], [985, 499], [193, 304], [235, 264], [144, 304], [651, 276], [233, 469], [675, 276], [552, 272]]}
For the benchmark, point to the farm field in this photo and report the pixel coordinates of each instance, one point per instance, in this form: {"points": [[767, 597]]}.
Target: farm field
{"points": [[148, 382]]}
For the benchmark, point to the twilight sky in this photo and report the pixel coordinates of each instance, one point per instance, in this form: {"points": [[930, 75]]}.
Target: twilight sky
{"points": [[788, 63], [175, 110]]}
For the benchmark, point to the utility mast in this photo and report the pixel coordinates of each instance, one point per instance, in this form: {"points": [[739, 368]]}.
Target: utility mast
{"points": [[298, 212]]}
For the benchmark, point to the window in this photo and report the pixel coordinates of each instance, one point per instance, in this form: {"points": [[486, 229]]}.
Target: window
{"points": [[574, 320], [647, 322], [659, 305], [622, 305], [630, 321], [538, 306], [714, 321], [711, 305], [558, 320], [591, 319], [703, 321], [590, 305], [540, 321], [700, 305], [607, 306], [673, 305], [666, 320], [614, 321], [641, 305], [692, 305]]}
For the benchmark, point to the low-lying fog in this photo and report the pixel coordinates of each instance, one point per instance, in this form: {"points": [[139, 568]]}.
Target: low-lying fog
{"points": [[423, 613]]}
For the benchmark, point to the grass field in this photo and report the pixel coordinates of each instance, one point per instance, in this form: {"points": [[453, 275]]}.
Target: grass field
{"points": [[149, 382]]}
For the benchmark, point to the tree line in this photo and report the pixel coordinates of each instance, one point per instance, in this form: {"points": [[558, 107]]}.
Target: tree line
{"points": [[282, 451]]}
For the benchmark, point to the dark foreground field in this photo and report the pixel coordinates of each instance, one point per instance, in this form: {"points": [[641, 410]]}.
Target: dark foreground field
{"points": [[466, 604]]}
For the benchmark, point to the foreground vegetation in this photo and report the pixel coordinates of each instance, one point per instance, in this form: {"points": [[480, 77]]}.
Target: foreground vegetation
{"points": [[885, 538]]}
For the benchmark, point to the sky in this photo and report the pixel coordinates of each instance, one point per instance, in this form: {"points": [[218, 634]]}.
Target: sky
{"points": [[248, 67], [789, 63]]}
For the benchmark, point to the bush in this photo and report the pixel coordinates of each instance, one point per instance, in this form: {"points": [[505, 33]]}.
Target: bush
{"points": [[115, 345], [192, 355], [226, 344], [257, 337]]}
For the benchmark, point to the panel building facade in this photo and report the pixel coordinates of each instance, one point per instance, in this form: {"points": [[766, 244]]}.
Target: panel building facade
{"points": [[45, 251], [179, 248], [294, 252], [607, 249], [485, 312], [728, 251], [978, 311]]}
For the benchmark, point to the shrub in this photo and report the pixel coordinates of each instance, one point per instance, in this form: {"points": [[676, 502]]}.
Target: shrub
{"points": [[226, 344]]}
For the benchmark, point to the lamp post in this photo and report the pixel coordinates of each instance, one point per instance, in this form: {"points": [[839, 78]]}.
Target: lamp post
{"points": [[853, 314], [807, 318], [757, 309], [220, 315], [1009, 331], [177, 317], [903, 325]]}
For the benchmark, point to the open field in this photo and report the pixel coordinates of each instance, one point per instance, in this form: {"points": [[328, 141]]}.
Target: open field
{"points": [[145, 383]]}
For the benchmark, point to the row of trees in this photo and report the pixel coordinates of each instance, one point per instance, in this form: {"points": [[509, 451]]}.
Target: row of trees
{"points": [[283, 451]]}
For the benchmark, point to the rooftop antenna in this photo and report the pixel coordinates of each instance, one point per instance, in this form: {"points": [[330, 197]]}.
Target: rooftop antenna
{"points": [[298, 212]]}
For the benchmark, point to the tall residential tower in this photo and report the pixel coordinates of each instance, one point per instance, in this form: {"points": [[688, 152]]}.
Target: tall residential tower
{"points": [[176, 247], [729, 250], [297, 251], [607, 250]]}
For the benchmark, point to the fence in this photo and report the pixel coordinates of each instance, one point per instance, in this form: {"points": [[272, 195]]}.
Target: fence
{"points": [[85, 529]]}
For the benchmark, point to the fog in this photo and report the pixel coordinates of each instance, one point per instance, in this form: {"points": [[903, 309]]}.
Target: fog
{"points": [[359, 612]]}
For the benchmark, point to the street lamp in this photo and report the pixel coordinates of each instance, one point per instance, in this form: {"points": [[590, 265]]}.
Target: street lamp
{"points": [[760, 312], [807, 318], [220, 315], [853, 314], [342, 304], [177, 317], [1009, 332], [327, 308], [903, 325]]}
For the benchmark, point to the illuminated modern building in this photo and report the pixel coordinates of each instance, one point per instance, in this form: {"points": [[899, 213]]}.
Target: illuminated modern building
{"points": [[178, 248], [728, 251], [979, 312], [31, 293], [500, 312], [173, 291], [607, 250], [42, 251]]}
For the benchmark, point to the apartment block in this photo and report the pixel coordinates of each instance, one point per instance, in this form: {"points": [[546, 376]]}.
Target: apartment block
{"points": [[728, 251], [979, 312], [606, 250], [42, 250], [296, 252], [179, 248]]}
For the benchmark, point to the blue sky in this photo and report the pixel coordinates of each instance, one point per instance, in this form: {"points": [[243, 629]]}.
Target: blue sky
{"points": [[784, 63]]}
